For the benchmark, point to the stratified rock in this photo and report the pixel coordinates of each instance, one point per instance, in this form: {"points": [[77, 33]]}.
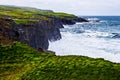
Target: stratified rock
{"points": [[81, 20], [71, 21], [35, 35], [68, 21]]}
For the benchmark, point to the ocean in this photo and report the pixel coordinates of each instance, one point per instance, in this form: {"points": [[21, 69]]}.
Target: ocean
{"points": [[99, 38]]}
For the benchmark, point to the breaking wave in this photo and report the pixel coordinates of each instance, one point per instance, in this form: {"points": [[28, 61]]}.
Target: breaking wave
{"points": [[96, 39]]}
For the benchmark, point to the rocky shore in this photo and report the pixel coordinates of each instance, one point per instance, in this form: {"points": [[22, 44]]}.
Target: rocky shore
{"points": [[36, 34], [36, 28]]}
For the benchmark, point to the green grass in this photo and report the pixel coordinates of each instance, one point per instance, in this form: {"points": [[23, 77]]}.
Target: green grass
{"points": [[25, 15], [74, 68], [21, 12], [56, 14], [20, 62], [25, 21], [16, 59]]}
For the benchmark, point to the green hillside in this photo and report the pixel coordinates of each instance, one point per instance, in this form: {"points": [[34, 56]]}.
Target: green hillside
{"points": [[21, 62], [25, 14]]}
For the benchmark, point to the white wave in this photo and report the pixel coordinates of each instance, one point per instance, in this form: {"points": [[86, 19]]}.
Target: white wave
{"points": [[91, 42], [66, 26], [77, 44], [93, 20], [81, 22], [97, 34]]}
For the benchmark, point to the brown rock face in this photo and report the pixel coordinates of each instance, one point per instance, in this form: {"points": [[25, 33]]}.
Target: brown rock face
{"points": [[35, 35]]}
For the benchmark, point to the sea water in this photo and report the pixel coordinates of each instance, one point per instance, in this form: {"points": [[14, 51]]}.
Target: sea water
{"points": [[99, 38]]}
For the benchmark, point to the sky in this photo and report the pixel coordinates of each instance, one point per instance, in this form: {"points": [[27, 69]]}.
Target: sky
{"points": [[77, 7]]}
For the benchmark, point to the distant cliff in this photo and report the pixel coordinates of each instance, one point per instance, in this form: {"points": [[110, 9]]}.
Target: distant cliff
{"points": [[33, 27]]}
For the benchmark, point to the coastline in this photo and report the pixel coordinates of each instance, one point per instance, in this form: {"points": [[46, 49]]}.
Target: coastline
{"points": [[24, 40]]}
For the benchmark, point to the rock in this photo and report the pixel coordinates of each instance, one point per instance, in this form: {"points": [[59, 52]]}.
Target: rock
{"points": [[40, 50], [81, 20], [67, 21], [49, 51], [70, 21], [35, 35], [116, 35], [46, 51]]}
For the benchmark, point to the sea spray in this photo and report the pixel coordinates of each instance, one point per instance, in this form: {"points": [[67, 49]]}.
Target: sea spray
{"points": [[93, 39]]}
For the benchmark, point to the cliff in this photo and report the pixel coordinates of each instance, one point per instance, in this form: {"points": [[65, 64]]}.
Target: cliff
{"points": [[35, 27], [35, 35], [32, 26], [21, 62]]}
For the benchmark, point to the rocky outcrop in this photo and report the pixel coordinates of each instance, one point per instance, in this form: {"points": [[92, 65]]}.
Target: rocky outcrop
{"points": [[81, 20], [116, 35], [32, 26], [36, 35], [69, 21]]}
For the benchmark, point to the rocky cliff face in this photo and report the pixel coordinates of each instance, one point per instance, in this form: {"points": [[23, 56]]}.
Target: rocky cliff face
{"points": [[36, 35], [33, 26], [69, 21]]}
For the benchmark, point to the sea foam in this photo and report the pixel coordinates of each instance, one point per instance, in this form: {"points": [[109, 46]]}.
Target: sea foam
{"points": [[92, 41]]}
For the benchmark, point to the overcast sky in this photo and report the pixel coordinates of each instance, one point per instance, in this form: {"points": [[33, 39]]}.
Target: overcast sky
{"points": [[78, 7]]}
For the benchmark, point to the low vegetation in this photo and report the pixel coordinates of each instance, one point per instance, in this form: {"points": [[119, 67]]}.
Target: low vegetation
{"points": [[26, 15], [25, 21], [20, 62], [24, 12]]}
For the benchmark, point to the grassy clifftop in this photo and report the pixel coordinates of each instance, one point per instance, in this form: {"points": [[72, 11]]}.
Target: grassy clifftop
{"points": [[24, 14], [20, 62]]}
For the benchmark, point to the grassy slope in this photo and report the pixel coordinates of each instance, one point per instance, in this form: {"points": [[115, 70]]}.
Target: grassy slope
{"points": [[22, 15], [20, 62], [24, 63]]}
